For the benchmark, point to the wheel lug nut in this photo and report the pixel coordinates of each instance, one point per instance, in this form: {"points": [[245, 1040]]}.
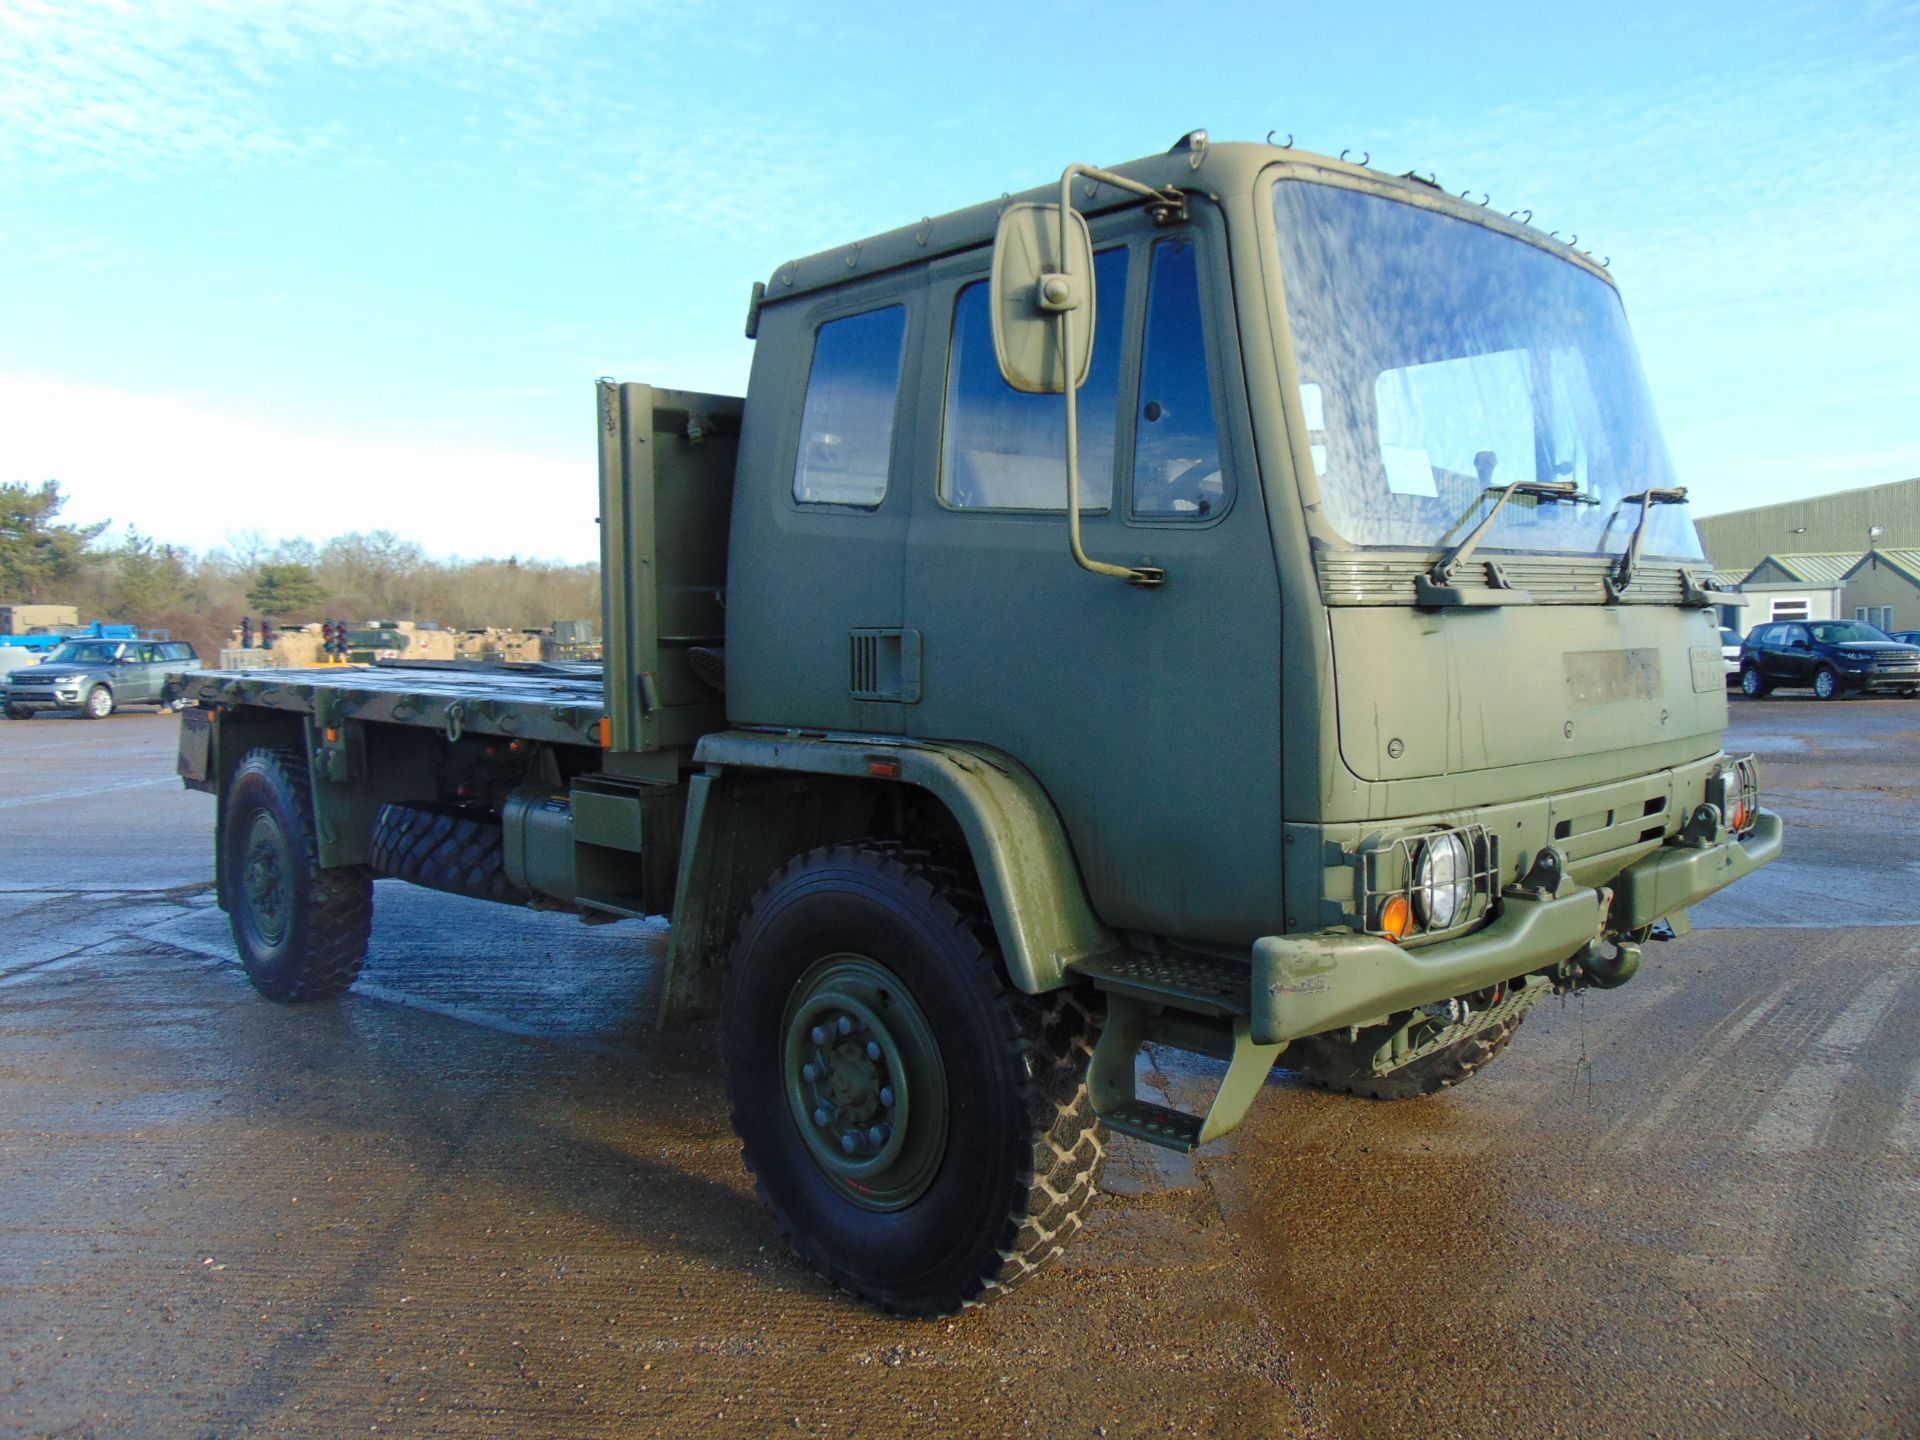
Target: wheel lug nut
{"points": [[873, 1049], [819, 1034], [846, 1025], [886, 1096], [809, 1072], [849, 1142], [879, 1134], [823, 1117]]}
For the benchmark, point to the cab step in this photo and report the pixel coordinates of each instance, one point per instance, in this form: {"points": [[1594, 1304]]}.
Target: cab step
{"points": [[1155, 1124], [1198, 984], [1111, 1079]]}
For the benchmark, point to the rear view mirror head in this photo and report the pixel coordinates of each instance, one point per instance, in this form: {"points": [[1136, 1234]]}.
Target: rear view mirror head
{"points": [[1032, 285]]}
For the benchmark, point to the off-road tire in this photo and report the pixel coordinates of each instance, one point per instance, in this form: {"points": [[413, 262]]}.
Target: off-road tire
{"points": [[92, 708], [1335, 1063], [19, 712], [1826, 684], [444, 848], [1753, 684], [1020, 1150], [301, 929]]}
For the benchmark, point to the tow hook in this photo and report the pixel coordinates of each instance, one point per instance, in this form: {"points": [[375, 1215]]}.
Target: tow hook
{"points": [[1609, 971]]}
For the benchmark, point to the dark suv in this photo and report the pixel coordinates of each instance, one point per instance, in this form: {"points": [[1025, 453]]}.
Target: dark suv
{"points": [[1832, 657]]}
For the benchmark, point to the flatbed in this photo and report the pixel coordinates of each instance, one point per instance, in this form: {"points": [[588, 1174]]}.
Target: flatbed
{"points": [[553, 704]]}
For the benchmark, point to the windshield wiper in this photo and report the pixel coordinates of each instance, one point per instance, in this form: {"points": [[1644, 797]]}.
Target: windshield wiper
{"points": [[1436, 587], [1622, 575]]}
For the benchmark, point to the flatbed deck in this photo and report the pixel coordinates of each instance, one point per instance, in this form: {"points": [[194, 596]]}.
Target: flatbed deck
{"points": [[556, 704]]}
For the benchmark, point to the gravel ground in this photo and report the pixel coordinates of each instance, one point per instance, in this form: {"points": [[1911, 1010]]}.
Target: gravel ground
{"points": [[481, 1197]]}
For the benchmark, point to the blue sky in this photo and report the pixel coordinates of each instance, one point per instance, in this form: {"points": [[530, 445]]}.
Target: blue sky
{"points": [[317, 266]]}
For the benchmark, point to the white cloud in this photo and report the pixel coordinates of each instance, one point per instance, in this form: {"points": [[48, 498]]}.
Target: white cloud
{"points": [[189, 474]]}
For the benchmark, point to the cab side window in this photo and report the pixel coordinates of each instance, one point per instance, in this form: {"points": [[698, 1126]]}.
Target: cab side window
{"points": [[846, 427], [1176, 454], [1007, 450]]}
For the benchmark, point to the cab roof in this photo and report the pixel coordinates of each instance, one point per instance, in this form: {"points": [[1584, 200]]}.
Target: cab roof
{"points": [[1194, 164]]}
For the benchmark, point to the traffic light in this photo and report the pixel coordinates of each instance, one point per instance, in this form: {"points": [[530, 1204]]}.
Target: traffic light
{"points": [[266, 633], [246, 632]]}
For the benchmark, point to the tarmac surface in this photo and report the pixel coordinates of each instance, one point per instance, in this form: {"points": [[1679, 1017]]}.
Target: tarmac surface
{"points": [[480, 1196]]}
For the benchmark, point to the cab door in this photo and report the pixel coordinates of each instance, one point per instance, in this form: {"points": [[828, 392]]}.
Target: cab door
{"points": [[816, 638], [1150, 716]]}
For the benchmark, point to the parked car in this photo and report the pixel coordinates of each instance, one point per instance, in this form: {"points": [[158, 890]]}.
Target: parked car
{"points": [[1830, 657], [1905, 637], [97, 677], [1730, 653]]}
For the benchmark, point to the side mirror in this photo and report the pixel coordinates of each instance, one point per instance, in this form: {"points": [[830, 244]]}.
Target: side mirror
{"points": [[1032, 284]]}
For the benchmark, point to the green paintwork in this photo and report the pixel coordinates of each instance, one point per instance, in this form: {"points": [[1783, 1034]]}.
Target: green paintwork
{"points": [[1679, 876], [1024, 863], [1168, 790], [865, 1082], [1111, 1081], [1304, 984], [666, 483]]}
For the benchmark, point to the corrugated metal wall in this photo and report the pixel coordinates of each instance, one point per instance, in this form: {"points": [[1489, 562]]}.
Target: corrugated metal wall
{"points": [[1744, 538]]}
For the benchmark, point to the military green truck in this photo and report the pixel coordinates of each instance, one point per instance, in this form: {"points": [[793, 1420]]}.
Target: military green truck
{"points": [[1366, 690]]}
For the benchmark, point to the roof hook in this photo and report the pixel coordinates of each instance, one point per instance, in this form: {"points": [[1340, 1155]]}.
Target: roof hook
{"points": [[1575, 240], [1606, 262], [925, 232], [1467, 194], [1286, 144], [1525, 217], [1366, 157]]}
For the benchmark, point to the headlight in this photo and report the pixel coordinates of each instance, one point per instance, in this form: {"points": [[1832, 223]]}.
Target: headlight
{"points": [[1442, 881], [1855, 657]]}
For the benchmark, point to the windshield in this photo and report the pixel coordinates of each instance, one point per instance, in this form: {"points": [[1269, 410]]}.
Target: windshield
{"points": [[1440, 360], [74, 653], [1848, 632]]}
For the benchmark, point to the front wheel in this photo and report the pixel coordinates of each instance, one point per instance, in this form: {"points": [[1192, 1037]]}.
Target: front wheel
{"points": [[98, 704], [921, 1130], [1826, 684], [19, 712], [301, 930], [1752, 683]]}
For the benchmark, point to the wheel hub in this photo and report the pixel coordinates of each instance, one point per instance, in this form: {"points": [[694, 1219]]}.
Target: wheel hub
{"points": [[264, 873], [865, 1082]]}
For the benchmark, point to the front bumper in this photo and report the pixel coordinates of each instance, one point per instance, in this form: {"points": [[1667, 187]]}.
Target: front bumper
{"points": [[41, 698], [1307, 984]]}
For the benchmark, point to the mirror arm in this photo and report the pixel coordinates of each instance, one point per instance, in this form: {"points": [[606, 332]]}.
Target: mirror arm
{"points": [[1145, 575]]}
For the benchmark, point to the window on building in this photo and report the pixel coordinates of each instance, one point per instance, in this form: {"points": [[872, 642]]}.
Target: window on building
{"points": [[1176, 453], [846, 428], [1007, 450], [1878, 616], [1792, 607]]}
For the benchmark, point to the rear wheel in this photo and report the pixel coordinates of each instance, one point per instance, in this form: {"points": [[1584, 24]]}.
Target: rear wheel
{"points": [[1337, 1063], [98, 704], [1753, 683], [1826, 684], [920, 1129], [301, 930]]}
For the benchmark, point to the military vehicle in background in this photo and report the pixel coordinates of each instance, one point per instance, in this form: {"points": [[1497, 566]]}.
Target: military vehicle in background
{"points": [[32, 632], [1237, 601]]}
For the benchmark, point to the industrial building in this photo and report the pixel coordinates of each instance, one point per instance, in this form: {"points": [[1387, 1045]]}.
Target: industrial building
{"points": [[1852, 555]]}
